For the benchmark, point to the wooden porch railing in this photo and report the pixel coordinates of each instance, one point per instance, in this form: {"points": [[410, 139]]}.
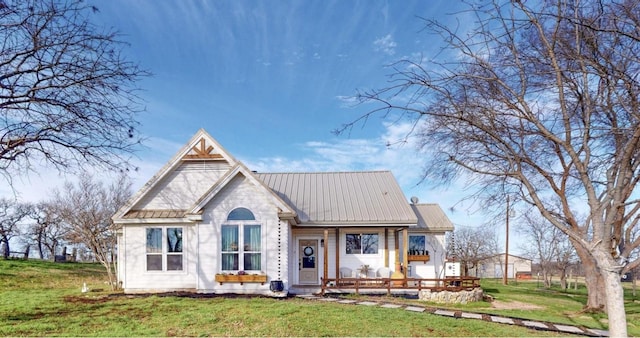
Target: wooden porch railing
{"points": [[433, 284]]}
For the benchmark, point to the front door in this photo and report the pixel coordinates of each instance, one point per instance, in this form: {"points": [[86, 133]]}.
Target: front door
{"points": [[308, 261]]}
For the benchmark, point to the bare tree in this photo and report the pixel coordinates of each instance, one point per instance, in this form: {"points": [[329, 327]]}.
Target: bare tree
{"points": [[12, 213], [565, 259], [67, 94], [547, 245], [48, 231], [86, 208], [539, 100], [438, 254], [472, 245]]}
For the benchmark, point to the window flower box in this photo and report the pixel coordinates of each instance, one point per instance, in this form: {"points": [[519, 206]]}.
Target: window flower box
{"points": [[418, 258], [220, 278]]}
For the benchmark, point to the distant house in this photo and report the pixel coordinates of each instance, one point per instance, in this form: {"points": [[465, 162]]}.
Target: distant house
{"points": [[493, 267], [206, 223]]}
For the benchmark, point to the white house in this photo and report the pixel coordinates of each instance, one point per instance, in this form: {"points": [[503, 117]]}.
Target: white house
{"points": [[493, 266], [206, 223]]}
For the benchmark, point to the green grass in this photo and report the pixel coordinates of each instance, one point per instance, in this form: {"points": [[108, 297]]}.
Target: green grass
{"points": [[554, 305], [44, 299]]}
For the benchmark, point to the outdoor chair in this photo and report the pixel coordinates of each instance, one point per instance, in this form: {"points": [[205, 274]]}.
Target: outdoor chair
{"points": [[383, 272], [346, 272]]}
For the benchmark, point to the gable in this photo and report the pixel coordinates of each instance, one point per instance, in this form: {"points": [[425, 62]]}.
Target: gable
{"points": [[239, 192], [239, 170], [183, 186], [181, 182]]}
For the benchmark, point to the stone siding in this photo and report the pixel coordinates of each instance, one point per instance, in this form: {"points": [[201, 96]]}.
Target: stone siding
{"points": [[451, 297]]}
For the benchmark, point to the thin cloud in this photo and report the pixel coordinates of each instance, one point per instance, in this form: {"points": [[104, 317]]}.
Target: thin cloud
{"points": [[385, 44], [347, 101]]}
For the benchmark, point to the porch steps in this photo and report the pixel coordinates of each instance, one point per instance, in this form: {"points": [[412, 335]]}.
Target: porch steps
{"points": [[537, 325]]}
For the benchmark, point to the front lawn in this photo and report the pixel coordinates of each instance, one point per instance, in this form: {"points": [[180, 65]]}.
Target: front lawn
{"points": [[44, 299]]}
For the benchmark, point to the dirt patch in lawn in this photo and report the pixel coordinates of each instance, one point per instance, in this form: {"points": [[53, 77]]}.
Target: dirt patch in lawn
{"points": [[515, 305], [85, 299]]}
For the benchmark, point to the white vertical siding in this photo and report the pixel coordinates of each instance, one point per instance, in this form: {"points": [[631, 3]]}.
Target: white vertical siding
{"points": [[434, 268], [181, 188], [241, 193], [136, 276]]}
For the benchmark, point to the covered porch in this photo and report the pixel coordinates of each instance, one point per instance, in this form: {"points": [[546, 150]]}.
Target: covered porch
{"points": [[338, 271]]}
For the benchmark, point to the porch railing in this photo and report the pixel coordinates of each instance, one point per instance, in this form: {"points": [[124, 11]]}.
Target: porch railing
{"points": [[388, 284]]}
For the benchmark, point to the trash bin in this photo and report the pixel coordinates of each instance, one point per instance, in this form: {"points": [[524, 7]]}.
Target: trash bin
{"points": [[277, 286]]}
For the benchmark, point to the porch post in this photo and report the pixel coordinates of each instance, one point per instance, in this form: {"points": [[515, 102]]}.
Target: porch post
{"points": [[337, 252], [405, 245], [386, 247], [325, 270], [396, 242]]}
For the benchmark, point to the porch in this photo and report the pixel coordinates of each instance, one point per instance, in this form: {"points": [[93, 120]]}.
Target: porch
{"points": [[387, 285], [336, 264], [397, 285]]}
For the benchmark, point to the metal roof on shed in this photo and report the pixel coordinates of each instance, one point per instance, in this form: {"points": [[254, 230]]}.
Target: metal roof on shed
{"points": [[364, 197]]}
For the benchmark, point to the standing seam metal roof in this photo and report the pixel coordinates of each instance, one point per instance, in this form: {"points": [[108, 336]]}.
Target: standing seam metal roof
{"points": [[364, 197], [432, 217]]}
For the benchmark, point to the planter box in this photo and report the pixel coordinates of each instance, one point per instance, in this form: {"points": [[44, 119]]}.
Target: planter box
{"points": [[241, 279], [418, 258]]}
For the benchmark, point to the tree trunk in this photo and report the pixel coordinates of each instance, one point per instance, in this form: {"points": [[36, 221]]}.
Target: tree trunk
{"points": [[40, 249], [563, 279], [547, 280], [615, 304], [4, 243], [594, 281]]}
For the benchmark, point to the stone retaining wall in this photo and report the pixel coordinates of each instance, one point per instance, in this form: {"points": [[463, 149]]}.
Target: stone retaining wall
{"points": [[457, 297]]}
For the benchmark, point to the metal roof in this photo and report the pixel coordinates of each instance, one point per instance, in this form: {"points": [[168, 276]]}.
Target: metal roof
{"points": [[349, 198], [432, 217], [165, 213]]}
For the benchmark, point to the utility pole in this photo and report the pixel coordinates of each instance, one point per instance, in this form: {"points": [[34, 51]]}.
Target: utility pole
{"points": [[505, 280]]}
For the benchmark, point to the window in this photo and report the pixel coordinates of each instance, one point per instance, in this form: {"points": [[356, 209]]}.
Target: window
{"points": [[167, 257], [174, 248], [362, 244], [240, 214], [241, 242], [417, 245], [154, 249]]}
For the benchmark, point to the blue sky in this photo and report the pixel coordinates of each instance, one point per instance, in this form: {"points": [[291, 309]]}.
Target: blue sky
{"points": [[270, 80]]}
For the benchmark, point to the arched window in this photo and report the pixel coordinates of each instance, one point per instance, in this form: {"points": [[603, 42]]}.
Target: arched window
{"points": [[241, 242], [241, 214]]}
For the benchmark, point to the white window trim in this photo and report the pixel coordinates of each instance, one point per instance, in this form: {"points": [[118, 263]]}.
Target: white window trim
{"points": [[343, 242], [165, 250], [241, 224], [426, 241]]}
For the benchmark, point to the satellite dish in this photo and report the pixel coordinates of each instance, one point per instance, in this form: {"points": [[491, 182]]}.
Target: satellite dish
{"points": [[414, 200]]}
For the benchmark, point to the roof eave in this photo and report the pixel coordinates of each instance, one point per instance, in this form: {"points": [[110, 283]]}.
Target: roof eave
{"points": [[130, 221], [344, 224]]}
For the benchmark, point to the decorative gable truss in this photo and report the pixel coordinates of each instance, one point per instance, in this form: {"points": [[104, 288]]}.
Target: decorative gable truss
{"points": [[203, 151]]}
